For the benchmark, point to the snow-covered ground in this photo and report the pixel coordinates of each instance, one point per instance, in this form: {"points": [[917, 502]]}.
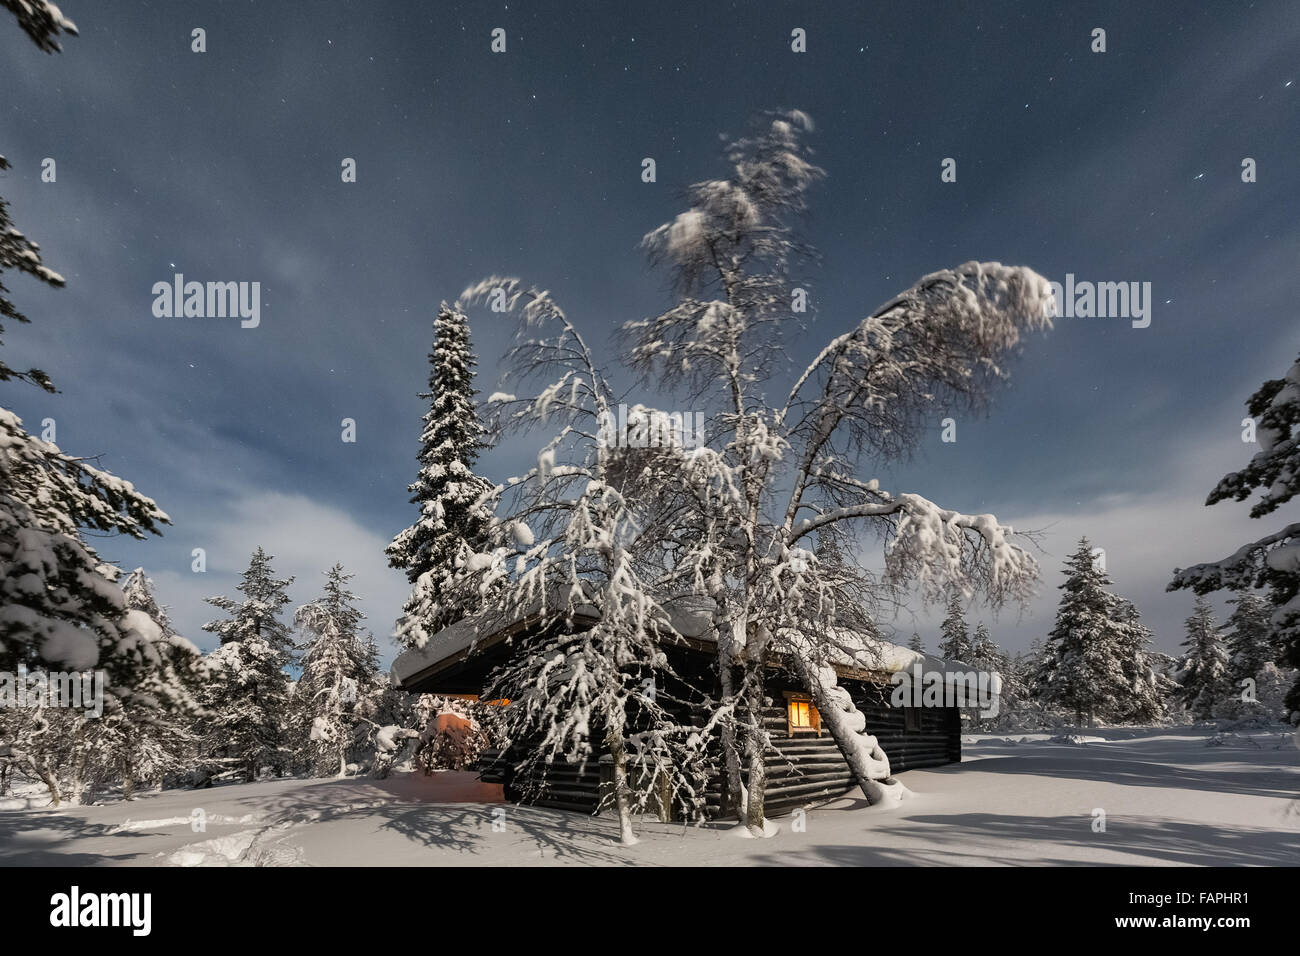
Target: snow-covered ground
{"points": [[1170, 797]]}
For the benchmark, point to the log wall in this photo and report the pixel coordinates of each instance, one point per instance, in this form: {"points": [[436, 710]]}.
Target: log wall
{"points": [[803, 768]]}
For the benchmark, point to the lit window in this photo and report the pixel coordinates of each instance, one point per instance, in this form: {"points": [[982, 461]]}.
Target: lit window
{"points": [[801, 714]]}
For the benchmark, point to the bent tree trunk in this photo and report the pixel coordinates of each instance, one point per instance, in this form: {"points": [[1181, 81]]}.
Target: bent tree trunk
{"points": [[848, 727]]}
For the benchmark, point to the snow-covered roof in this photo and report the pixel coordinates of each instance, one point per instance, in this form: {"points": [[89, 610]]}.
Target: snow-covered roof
{"points": [[455, 641], [690, 617]]}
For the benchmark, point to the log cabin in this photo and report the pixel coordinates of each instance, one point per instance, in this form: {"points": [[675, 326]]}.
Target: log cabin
{"points": [[804, 766]]}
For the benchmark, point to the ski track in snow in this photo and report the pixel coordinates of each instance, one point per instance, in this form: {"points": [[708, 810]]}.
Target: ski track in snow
{"points": [[1171, 796]]}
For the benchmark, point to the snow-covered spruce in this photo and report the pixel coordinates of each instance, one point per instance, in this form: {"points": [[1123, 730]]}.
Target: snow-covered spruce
{"points": [[1253, 653], [339, 668], [1096, 663], [1273, 561], [453, 520], [1203, 680], [955, 644], [141, 738], [247, 695], [152, 734], [59, 604]]}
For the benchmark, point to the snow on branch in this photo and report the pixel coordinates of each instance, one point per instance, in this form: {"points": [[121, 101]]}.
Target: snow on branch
{"points": [[42, 20], [938, 343], [1246, 567], [1275, 468], [936, 549]]}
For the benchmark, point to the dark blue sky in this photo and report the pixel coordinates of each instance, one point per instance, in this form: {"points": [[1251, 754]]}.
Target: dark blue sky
{"points": [[1116, 166]]}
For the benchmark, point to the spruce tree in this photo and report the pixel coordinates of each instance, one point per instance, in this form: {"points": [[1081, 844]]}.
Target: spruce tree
{"points": [[257, 616], [247, 697], [1249, 635], [984, 653], [452, 524], [955, 645], [1203, 672], [63, 609], [1273, 561], [916, 644], [338, 669], [1082, 670], [153, 742], [1150, 689], [985, 657]]}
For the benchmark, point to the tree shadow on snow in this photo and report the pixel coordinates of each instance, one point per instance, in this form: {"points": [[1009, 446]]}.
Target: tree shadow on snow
{"points": [[556, 835], [38, 837], [462, 828], [990, 839], [1154, 767]]}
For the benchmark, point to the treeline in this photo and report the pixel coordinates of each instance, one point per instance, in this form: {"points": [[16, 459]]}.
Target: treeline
{"points": [[1097, 665], [236, 713]]}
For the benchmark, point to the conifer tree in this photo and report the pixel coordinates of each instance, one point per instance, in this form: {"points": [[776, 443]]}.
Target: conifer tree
{"points": [[985, 653], [338, 669], [1273, 561], [1082, 670], [151, 742], [1203, 672], [63, 609], [42, 20], [452, 521], [247, 697], [955, 645], [1249, 635], [1150, 688], [916, 644]]}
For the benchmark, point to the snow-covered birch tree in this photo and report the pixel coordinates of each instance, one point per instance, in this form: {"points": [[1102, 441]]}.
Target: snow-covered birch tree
{"points": [[565, 548], [798, 469], [775, 502]]}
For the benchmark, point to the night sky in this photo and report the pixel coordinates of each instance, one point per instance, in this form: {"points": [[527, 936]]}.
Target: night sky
{"points": [[225, 166]]}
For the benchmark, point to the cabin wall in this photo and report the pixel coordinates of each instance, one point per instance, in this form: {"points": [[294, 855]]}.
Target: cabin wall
{"points": [[803, 768], [808, 767]]}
